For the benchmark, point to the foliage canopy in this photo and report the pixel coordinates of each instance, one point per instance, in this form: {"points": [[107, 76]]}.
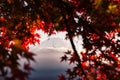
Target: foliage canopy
{"points": [[97, 21]]}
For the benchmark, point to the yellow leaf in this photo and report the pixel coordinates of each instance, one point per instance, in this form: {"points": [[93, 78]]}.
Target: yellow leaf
{"points": [[56, 24], [97, 3], [17, 43], [60, 18], [112, 6]]}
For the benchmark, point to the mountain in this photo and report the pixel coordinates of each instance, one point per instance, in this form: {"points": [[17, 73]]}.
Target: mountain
{"points": [[57, 43], [54, 43]]}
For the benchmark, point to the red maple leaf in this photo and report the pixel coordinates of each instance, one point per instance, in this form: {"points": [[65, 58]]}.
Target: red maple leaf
{"points": [[27, 67], [84, 65], [92, 57], [68, 52], [73, 58], [84, 56], [64, 58], [113, 56], [61, 77]]}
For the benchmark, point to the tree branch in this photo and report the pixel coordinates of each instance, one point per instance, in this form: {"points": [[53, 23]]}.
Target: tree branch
{"points": [[63, 7]]}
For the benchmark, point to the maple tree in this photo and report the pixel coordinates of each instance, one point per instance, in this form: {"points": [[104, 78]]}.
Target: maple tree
{"points": [[97, 21]]}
